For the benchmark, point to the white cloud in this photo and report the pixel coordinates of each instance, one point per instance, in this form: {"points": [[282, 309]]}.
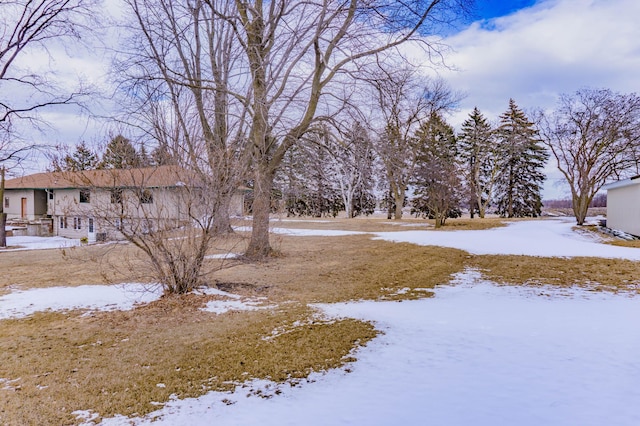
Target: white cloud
{"points": [[538, 53], [557, 46]]}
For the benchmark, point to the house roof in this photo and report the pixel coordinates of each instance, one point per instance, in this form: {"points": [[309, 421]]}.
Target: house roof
{"points": [[623, 183], [149, 177]]}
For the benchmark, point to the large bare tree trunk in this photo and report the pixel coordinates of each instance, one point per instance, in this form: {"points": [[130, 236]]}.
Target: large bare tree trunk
{"points": [[581, 206], [399, 200], [3, 233], [259, 246], [221, 221]]}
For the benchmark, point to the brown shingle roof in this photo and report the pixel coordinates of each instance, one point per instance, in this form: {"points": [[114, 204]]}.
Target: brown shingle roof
{"points": [[150, 177]]}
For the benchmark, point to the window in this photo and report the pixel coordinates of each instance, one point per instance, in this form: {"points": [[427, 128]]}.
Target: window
{"points": [[77, 223], [50, 194], [116, 196], [63, 222], [85, 196], [146, 197], [91, 225], [6, 202]]}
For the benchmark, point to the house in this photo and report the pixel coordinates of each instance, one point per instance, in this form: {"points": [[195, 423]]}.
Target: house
{"points": [[623, 205], [95, 204]]}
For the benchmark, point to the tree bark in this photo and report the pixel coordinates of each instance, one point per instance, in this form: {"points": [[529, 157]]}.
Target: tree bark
{"points": [[259, 246], [581, 207], [3, 233], [221, 221], [398, 195]]}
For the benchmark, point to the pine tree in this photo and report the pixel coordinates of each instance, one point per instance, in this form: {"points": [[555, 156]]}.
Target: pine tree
{"points": [[161, 156], [81, 159], [435, 179], [477, 150], [519, 186], [144, 157], [120, 154]]}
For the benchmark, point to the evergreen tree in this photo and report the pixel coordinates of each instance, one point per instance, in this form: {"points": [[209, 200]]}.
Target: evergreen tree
{"points": [[120, 154], [160, 156], [303, 182], [144, 157], [519, 186], [437, 185], [477, 150], [81, 159]]}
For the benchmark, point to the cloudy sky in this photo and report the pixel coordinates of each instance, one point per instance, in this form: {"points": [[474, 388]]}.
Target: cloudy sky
{"points": [[527, 50], [532, 51]]}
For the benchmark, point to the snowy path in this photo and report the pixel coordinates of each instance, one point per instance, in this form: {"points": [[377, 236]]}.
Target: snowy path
{"points": [[37, 243], [551, 237]]}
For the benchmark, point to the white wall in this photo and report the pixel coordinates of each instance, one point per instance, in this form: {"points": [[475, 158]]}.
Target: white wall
{"points": [[623, 208], [36, 203]]}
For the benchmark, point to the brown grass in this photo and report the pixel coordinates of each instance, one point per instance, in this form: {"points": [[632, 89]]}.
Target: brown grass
{"points": [[368, 224], [594, 273], [111, 362], [625, 243]]}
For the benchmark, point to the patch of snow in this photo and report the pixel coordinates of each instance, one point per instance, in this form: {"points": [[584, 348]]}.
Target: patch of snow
{"points": [[21, 303], [216, 292], [550, 237], [222, 306], [38, 243], [10, 384], [87, 415], [303, 220], [305, 232], [222, 256]]}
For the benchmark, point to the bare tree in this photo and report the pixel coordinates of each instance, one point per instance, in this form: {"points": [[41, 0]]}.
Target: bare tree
{"points": [[405, 100], [12, 153], [181, 64], [26, 27], [276, 64], [296, 53], [594, 136], [163, 211], [353, 161]]}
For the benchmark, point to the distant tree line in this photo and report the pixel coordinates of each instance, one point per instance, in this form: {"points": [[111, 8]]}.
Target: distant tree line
{"points": [[119, 153], [356, 170]]}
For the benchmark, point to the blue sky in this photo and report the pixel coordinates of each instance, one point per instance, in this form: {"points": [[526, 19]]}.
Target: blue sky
{"points": [[486, 9], [533, 51]]}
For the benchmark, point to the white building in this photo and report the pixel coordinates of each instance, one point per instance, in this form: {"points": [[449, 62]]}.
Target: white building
{"points": [[623, 205], [94, 204]]}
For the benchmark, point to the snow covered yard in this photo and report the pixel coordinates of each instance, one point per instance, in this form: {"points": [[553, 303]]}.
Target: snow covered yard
{"points": [[475, 353], [37, 243]]}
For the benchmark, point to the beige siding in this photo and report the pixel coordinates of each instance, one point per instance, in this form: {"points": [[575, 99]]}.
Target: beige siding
{"points": [[166, 206], [35, 203], [623, 209], [236, 209]]}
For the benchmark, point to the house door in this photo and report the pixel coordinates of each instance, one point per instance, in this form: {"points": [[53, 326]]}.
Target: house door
{"points": [[23, 210], [91, 230]]}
